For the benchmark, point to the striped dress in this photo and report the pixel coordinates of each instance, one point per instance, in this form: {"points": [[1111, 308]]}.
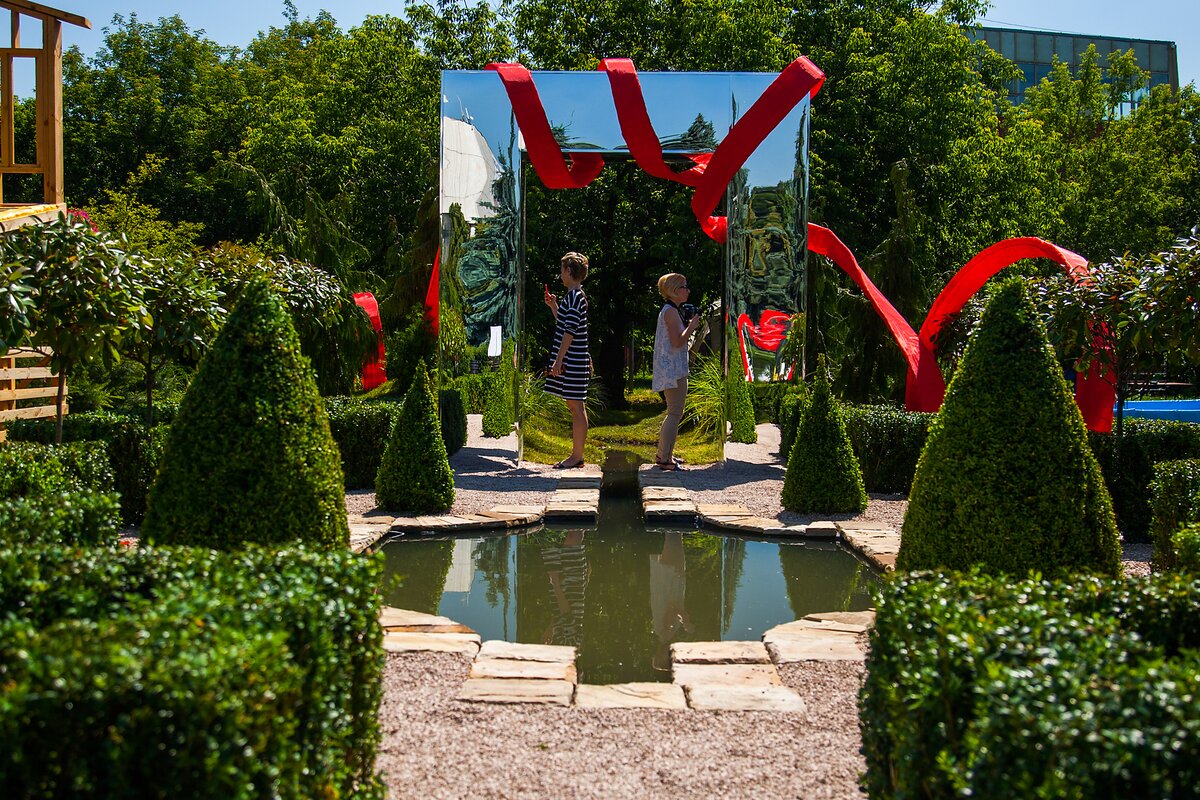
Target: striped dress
{"points": [[573, 320]]}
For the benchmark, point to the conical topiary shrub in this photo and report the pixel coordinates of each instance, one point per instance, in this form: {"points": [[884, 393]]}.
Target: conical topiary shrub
{"points": [[822, 473], [415, 474], [741, 408], [249, 458], [1007, 481]]}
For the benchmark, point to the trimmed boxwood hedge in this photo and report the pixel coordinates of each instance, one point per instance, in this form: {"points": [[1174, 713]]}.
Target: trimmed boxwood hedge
{"points": [[1186, 544], [740, 408], [474, 393], [57, 494], [250, 458], [452, 410], [766, 398], [499, 414], [415, 475], [179, 672], [1174, 502], [822, 473], [887, 442], [361, 429], [133, 450], [790, 408], [1006, 480], [980, 687]]}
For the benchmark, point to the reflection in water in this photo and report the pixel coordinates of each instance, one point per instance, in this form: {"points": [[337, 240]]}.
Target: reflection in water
{"points": [[621, 593], [668, 583], [567, 576]]}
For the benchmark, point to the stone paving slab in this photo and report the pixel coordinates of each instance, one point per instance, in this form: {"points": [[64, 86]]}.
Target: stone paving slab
{"points": [[363, 537], [864, 618], [631, 695], [715, 509], [719, 653], [389, 617], [489, 667], [664, 493], [550, 653], [518, 510], [669, 508], [580, 482], [725, 675], [822, 530], [748, 698], [877, 546], [465, 643], [517, 690], [808, 640]]}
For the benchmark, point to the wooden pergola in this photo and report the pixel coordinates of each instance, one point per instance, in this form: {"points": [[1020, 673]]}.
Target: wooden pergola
{"points": [[48, 163]]}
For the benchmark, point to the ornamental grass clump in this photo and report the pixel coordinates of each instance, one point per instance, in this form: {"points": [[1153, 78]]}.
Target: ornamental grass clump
{"points": [[822, 473], [415, 474], [1006, 481], [249, 458]]}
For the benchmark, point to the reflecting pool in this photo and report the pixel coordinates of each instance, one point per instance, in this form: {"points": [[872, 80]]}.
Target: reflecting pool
{"points": [[621, 592]]}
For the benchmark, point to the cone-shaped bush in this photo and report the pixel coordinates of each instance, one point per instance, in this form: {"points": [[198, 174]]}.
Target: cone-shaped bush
{"points": [[415, 474], [1006, 480], [741, 409], [498, 413], [822, 473], [249, 458]]}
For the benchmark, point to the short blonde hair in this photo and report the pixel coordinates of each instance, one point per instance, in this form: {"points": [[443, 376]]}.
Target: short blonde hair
{"points": [[576, 264], [669, 283]]}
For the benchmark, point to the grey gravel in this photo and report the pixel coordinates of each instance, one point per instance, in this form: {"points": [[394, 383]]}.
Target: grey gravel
{"points": [[435, 746]]}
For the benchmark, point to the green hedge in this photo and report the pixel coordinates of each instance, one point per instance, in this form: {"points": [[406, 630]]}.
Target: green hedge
{"points": [[498, 413], [982, 688], [72, 517], [1128, 470], [250, 458], [740, 408], [361, 429], [474, 393], [790, 408], [823, 475], [887, 442], [452, 410], [415, 475], [133, 450], [189, 673], [1186, 544], [1174, 502], [766, 398]]}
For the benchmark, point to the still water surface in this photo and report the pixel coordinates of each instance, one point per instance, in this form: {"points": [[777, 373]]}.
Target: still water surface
{"points": [[621, 592]]}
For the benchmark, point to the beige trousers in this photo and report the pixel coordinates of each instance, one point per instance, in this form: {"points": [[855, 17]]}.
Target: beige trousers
{"points": [[670, 426]]}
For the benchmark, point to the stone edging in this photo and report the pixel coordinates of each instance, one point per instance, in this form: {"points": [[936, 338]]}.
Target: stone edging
{"points": [[706, 676]]}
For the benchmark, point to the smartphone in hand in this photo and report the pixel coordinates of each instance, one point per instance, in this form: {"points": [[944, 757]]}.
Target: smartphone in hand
{"points": [[546, 290]]}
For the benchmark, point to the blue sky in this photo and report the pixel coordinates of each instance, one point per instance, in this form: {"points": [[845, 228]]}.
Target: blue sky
{"points": [[236, 22]]}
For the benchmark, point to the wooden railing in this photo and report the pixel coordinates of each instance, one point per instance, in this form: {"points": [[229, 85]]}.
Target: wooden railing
{"points": [[25, 376]]}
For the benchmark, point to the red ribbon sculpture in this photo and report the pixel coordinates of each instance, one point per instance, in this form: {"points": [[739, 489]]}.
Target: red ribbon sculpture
{"points": [[372, 371]]}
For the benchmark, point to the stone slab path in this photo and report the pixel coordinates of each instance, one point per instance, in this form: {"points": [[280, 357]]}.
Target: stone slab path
{"points": [[706, 676]]}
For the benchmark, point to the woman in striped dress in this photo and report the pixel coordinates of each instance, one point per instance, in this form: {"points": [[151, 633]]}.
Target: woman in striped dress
{"points": [[570, 365]]}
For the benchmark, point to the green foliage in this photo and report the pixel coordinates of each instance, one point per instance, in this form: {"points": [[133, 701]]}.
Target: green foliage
{"points": [[415, 474], [1128, 465], [452, 410], [69, 517], [987, 688], [1186, 544], [1174, 502], [822, 473], [1006, 480], [361, 430], [473, 389], [705, 406], [140, 224], [250, 458], [790, 409], [415, 343], [766, 398], [18, 295], [134, 451], [499, 390], [741, 408], [259, 671], [28, 468], [887, 442]]}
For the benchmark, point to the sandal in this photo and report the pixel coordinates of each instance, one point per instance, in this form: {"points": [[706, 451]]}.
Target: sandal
{"points": [[564, 465], [670, 466]]}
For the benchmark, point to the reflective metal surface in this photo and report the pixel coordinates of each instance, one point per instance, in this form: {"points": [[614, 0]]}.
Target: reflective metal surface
{"points": [[481, 196]]}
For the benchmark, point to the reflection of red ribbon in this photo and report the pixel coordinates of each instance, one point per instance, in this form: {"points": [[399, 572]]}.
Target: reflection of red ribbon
{"points": [[372, 371], [710, 175], [768, 334]]}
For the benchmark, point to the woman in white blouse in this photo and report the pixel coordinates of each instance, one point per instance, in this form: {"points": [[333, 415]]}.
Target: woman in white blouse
{"points": [[671, 363]]}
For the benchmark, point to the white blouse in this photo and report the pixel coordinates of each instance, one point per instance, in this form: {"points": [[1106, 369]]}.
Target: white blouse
{"points": [[670, 362]]}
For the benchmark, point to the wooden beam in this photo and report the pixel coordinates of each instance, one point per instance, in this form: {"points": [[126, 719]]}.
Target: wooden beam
{"points": [[23, 373], [39, 10], [28, 394], [37, 412], [16, 29], [23, 52], [50, 101], [8, 135], [21, 169]]}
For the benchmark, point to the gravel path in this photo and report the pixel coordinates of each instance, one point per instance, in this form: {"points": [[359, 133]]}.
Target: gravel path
{"points": [[437, 747]]}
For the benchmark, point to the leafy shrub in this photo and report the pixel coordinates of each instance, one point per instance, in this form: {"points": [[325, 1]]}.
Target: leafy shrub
{"points": [[887, 442], [498, 412], [361, 430], [1006, 479], [766, 398], [741, 409], [250, 457], [790, 408], [189, 673], [1186, 544], [1174, 501], [473, 391], [415, 474], [822, 473], [415, 343], [453, 414], [72, 517], [133, 450], [1128, 465], [706, 403], [985, 688]]}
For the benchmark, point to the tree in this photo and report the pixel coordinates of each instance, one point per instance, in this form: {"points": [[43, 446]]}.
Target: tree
{"points": [[250, 457], [87, 294], [1006, 481]]}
